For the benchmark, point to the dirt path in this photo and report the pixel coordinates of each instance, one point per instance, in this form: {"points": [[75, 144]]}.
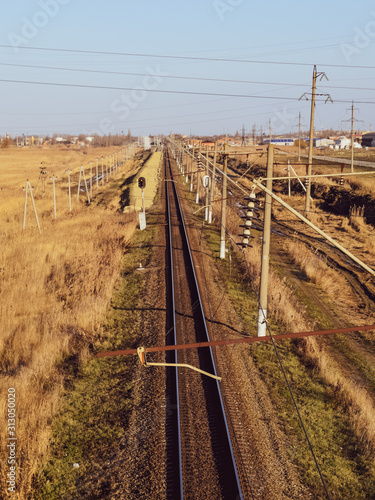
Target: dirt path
{"points": [[140, 462]]}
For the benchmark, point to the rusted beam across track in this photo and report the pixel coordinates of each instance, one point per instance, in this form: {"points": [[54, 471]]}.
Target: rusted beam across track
{"points": [[243, 340]]}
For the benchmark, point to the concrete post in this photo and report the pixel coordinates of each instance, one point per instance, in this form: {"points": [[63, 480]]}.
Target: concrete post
{"points": [[262, 311], [223, 206]]}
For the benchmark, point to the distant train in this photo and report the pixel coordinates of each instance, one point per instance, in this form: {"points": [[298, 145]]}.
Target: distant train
{"points": [[279, 142]]}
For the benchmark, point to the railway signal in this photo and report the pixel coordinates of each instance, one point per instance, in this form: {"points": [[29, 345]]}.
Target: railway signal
{"points": [[142, 215]]}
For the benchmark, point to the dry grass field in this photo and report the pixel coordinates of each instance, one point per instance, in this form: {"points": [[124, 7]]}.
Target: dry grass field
{"points": [[55, 288]]}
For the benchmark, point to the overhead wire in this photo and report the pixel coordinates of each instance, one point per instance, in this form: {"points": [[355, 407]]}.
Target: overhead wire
{"points": [[180, 77], [180, 57], [184, 92]]}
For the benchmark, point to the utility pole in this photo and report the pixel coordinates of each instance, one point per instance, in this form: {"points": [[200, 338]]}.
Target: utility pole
{"points": [[311, 143], [352, 136], [191, 171], [198, 173], [223, 205], [243, 138], [82, 176], [91, 179], [69, 190], [97, 172], [299, 136], [29, 188], [212, 186], [270, 130], [53, 178], [316, 75], [352, 120], [207, 197], [262, 311], [102, 171]]}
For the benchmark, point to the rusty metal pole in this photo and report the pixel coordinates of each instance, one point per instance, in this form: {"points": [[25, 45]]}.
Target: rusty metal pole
{"points": [[262, 311], [223, 206]]}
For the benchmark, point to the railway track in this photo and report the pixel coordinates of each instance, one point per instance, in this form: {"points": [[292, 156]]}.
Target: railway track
{"points": [[200, 457]]}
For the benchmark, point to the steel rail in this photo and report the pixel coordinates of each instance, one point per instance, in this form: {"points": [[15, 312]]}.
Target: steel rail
{"points": [[231, 470], [174, 353]]}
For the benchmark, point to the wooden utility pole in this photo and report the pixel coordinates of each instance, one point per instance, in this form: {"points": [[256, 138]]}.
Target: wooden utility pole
{"points": [[262, 311], [69, 190], [299, 136], [97, 172], [270, 130], [102, 171], [53, 178], [352, 120], [91, 179], [29, 188], [207, 188], [311, 142], [82, 175], [223, 206], [352, 137]]}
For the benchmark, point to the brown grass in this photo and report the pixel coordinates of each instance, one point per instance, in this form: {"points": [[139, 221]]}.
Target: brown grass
{"points": [[356, 400], [54, 294], [318, 271]]}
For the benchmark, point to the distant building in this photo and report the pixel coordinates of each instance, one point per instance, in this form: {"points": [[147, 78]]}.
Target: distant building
{"points": [[368, 140], [343, 143], [144, 142], [323, 143]]}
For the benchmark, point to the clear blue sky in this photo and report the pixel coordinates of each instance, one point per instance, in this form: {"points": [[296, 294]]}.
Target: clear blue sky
{"points": [[322, 33]]}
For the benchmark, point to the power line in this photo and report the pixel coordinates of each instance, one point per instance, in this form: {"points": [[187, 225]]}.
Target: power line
{"points": [[80, 70], [224, 80], [191, 58], [185, 92], [104, 87]]}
